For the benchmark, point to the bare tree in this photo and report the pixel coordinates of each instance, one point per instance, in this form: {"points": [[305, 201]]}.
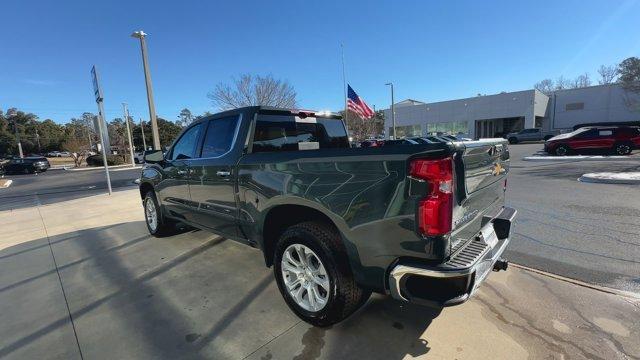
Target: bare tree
{"points": [[251, 90], [545, 86], [580, 81], [608, 74], [562, 83], [77, 148]]}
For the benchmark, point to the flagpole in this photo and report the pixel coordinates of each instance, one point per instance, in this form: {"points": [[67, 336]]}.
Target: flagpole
{"points": [[344, 87]]}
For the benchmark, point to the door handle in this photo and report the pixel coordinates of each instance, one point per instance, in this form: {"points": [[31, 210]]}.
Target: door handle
{"points": [[222, 173]]}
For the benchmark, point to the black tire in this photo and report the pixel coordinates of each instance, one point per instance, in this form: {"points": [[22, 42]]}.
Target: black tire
{"points": [[562, 150], [344, 296], [513, 140], [164, 226], [622, 149]]}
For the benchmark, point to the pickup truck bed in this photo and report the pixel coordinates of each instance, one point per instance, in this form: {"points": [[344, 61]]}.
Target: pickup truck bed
{"points": [[424, 223]]}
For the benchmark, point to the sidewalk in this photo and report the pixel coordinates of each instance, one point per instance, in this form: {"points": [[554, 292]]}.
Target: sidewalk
{"points": [[83, 278]]}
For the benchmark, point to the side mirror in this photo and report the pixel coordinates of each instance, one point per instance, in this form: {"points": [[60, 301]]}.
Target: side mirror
{"points": [[153, 156]]}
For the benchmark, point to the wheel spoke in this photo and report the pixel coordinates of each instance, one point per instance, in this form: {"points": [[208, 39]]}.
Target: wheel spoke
{"points": [[291, 260], [289, 268], [293, 284], [321, 282], [311, 294], [297, 295]]}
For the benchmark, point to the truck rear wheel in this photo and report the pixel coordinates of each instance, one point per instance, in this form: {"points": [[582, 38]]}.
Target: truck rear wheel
{"points": [[313, 274], [513, 140]]}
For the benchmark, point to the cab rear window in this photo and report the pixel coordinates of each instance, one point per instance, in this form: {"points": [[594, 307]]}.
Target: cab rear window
{"points": [[275, 132]]}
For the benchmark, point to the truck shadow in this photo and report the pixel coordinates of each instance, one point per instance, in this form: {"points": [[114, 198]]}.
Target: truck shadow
{"points": [[191, 295]]}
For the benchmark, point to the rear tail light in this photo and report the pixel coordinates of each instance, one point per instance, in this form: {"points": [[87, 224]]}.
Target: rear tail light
{"points": [[435, 211]]}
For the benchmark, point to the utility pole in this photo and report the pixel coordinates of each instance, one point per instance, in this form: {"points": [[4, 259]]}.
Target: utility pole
{"points": [[38, 140], [126, 119], [144, 142], [393, 112], [97, 90], [15, 127], [147, 77]]}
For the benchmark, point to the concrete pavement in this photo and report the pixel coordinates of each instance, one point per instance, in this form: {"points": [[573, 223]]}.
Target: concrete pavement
{"points": [[82, 279]]}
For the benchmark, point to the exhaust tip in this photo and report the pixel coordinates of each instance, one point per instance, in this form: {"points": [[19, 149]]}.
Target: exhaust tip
{"points": [[500, 265]]}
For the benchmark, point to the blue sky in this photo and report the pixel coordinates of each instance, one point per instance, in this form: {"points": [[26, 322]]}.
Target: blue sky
{"points": [[431, 50]]}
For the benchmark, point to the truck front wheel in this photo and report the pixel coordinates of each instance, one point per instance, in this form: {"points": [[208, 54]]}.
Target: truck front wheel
{"points": [[157, 224], [313, 274]]}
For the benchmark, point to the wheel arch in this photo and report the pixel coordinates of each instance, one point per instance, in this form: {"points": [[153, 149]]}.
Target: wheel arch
{"points": [[280, 217]]}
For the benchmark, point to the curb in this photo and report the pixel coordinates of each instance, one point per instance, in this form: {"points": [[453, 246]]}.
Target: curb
{"points": [[578, 158], [596, 178], [5, 183], [604, 289], [102, 167]]}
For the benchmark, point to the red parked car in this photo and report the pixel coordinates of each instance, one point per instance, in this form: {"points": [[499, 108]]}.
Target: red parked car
{"points": [[620, 140]]}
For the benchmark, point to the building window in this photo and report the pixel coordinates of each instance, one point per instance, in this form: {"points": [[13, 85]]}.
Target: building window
{"points": [[452, 128], [407, 131], [574, 106]]}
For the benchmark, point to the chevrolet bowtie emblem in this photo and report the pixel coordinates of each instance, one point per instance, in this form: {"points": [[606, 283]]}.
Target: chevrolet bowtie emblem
{"points": [[497, 169]]}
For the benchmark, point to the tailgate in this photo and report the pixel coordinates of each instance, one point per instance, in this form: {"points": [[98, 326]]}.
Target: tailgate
{"points": [[481, 171], [485, 163]]}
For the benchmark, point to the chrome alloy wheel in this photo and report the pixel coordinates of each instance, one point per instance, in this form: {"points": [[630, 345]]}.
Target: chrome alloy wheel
{"points": [[151, 213], [305, 277]]}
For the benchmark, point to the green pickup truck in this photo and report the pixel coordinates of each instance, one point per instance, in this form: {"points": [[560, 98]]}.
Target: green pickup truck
{"points": [[425, 223]]}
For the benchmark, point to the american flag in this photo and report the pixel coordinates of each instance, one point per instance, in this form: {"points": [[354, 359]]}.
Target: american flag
{"points": [[357, 105]]}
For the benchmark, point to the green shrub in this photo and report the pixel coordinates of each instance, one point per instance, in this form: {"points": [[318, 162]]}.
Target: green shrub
{"points": [[96, 160]]}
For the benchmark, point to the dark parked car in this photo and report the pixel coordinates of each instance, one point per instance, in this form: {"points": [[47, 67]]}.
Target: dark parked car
{"points": [[27, 165], [620, 140], [424, 223]]}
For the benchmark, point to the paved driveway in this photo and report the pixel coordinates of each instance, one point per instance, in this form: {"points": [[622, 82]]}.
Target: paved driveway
{"points": [[585, 231], [82, 278]]}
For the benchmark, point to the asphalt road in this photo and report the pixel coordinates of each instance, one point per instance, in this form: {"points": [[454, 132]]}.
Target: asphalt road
{"points": [[60, 185], [589, 232]]}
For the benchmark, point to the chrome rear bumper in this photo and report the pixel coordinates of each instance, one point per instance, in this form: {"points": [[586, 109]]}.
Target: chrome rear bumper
{"points": [[454, 281]]}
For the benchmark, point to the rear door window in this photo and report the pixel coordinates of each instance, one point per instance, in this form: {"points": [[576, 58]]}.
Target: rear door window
{"points": [[219, 137], [605, 132]]}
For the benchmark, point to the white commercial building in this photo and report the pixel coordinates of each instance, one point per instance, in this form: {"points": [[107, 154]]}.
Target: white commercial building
{"points": [[495, 115]]}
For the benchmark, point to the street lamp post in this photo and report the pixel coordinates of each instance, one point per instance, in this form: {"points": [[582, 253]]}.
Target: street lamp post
{"points": [[393, 111], [147, 77]]}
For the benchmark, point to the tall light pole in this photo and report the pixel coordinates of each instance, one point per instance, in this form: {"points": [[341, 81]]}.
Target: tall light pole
{"points": [[126, 119], [15, 127], [147, 77], [393, 111]]}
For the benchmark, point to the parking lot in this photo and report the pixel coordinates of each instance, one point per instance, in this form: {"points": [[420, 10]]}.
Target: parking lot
{"points": [[580, 230], [83, 279]]}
